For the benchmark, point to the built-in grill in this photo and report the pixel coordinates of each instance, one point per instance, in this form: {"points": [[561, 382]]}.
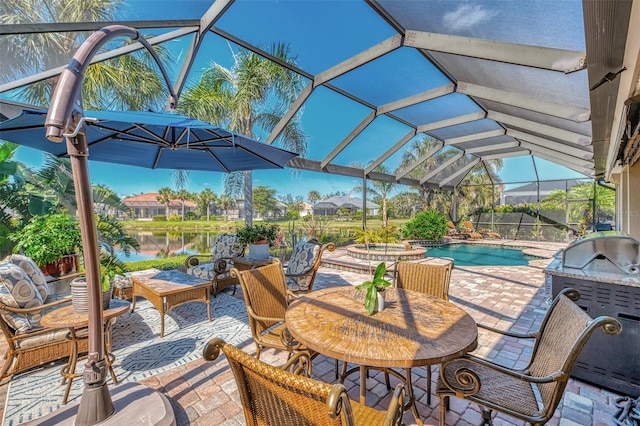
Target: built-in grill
{"points": [[605, 268]]}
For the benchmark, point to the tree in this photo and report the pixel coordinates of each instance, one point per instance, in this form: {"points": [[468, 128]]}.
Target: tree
{"points": [[250, 98], [225, 202], [264, 200], [313, 197], [183, 195], [129, 82], [165, 195], [417, 150], [204, 199], [380, 190]]}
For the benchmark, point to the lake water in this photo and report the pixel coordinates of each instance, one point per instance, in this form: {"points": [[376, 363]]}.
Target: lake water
{"points": [[155, 245]]}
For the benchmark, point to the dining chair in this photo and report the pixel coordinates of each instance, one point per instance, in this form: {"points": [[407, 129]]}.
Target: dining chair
{"points": [[431, 276], [303, 265], [274, 396], [267, 298], [531, 393]]}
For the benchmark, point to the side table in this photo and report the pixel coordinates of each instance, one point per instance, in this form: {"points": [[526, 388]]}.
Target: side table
{"points": [[67, 317]]}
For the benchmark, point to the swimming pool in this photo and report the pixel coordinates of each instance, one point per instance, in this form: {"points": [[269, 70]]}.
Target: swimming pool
{"points": [[481, 255]]}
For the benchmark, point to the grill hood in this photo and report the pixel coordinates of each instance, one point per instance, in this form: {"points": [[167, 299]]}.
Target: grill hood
{"points": [[607, 251]]}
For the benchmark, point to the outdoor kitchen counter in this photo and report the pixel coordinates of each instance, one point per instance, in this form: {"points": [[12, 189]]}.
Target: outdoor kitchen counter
{"points": [[555, 268]]}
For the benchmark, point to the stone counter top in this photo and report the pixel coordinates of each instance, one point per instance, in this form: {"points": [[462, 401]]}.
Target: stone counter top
{"points": [[555, 268]]}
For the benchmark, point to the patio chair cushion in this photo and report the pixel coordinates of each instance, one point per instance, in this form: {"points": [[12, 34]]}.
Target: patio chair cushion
{"points": [[225, 245], [302, 259], [124, 281], [33, 272], [38, 340], [17, 291], [206, 271]]}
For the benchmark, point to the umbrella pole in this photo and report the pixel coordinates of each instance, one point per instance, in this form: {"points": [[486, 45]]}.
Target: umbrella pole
{"points": [[95, 404]]}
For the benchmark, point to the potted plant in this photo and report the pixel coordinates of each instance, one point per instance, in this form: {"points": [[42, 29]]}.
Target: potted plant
{"points": [[429, 225], [51, 240], [258, 237], [373, 300], [111, 234]]}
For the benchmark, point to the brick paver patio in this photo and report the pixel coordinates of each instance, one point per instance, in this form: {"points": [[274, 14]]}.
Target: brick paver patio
{"points": [[204, 393]]}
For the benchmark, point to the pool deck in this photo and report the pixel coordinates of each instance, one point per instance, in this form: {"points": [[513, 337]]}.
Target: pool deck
{"points": [[205, 393]]}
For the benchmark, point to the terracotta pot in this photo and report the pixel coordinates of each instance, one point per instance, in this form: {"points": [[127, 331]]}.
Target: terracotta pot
{"points": [[65, 265]]}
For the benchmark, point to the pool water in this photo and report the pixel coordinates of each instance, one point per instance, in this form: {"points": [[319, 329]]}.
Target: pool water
{"points": [[480, 255]]}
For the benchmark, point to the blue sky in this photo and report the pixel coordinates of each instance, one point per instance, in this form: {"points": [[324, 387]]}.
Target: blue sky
{"points": [[327, 117]]}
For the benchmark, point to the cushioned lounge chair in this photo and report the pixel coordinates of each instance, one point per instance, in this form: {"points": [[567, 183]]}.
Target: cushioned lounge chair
{"points": [[468, 226], [532, 393], [216, 268], [275, 396], [24, 298], [469, 231]]}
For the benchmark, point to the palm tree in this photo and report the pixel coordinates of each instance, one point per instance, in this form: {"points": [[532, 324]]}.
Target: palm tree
{"points": [[165, 195], [183, 195], [419, 148], [313, 197], [125, 82], [380, 190], [250, 98], [205, 198]]}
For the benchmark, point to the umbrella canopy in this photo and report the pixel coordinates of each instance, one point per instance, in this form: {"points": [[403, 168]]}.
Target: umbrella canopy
{"points": [[155, 140]]}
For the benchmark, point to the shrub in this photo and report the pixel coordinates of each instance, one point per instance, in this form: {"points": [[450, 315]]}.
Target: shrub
{"points": [[158, 218], [429, 225], [387, 234]]}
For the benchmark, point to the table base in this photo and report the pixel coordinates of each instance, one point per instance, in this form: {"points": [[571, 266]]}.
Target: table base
{"points": [[363, 370]]}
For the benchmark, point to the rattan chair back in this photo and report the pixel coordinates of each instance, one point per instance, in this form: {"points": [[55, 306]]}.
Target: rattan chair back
{"points": [[431, 277], [266, 297], [274, 396]]}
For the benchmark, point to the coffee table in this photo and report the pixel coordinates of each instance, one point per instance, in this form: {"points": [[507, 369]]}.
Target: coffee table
{"points": [[413, 329], [67, 317], [168, 289]]}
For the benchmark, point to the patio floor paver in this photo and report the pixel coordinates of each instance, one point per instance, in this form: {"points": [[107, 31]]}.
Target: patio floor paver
{"points": [[205, 393]]}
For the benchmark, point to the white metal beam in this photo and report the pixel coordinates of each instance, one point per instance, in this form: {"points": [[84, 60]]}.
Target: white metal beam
{"points": [[559, 156], [492, 147], [406, 138], [293, 109], [504, 155], [207, 20], [417, 98], [462, 170], [561, 60], [97, 58], [452, 121], [441, 167], [585, 171], [361, 58], [346, 141], [401, 173], [530, 103], [584, 154], [532, 126], [474, 137]]}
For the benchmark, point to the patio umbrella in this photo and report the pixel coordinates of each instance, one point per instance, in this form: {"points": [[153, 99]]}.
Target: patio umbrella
{"points": [[160, 140], [155, 140]]}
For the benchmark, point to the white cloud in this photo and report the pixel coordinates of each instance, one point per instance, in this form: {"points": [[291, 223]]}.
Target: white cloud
{"points": [[466, 16]]}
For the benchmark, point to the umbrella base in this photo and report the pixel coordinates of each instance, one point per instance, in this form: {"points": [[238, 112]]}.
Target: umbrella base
{"points": [[135, 404]]}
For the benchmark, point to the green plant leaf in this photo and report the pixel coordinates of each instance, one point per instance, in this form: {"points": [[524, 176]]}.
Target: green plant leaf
{"points": [[370, 299]]}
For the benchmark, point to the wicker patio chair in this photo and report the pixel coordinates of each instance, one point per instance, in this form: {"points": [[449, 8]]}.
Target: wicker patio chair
{"points": [[275, 396], [303, 265], [217, 266], [24, 299], [267, 298], [532, 393], [432, 277]]}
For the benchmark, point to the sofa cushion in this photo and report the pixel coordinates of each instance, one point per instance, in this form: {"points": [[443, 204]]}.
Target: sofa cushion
{"points": [[17, 291], [225, 246], [302, 260], [206, 271], [33, 272], [43, 339]]}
